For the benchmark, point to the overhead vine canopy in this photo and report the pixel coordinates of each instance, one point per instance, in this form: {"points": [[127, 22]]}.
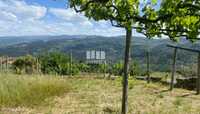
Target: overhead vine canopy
{"points": [[182, 18], [120, 12], [173, 18]]}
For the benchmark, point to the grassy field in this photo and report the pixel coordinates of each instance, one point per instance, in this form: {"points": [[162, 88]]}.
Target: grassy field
{"points": [[17, 90], [90, 95]]}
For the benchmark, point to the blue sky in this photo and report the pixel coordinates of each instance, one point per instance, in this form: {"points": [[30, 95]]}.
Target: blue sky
{"points": [[48, 17], [48, 3]]}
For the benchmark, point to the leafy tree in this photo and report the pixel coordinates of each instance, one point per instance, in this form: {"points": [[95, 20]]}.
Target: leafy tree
{"points": [[172, 17]]}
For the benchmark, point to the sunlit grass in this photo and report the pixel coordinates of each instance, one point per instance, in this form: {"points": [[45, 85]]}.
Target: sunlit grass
{"points": [[94, 95], [17, 90]]}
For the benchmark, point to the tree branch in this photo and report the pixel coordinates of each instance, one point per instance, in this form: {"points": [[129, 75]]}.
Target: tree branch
{"points": [[188, 5], [84, 8], [141, 18]]}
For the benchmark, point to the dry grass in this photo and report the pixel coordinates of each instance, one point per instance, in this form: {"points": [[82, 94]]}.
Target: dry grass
{"points": [[92, 95], [17, 90]]}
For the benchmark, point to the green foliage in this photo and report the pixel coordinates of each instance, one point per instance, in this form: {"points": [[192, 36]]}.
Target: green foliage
{"points": [[135, 69], [117, 69], [173, 18], [57, 63], [179, 18], [123, 12], [83, 67], [96, 68], [26, 64]]}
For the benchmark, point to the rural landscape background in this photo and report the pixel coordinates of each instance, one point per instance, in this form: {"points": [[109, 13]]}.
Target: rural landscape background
{"points": [[99, 57], [41, 78], [161, 55]]}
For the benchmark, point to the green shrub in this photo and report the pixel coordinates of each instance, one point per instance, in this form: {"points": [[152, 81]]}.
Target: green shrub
{"points": [[135, 69], [26, 64], [57, 63], [117, 69], [83, 67]]}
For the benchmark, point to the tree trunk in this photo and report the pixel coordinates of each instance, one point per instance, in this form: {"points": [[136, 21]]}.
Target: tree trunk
{"points": [[126, 71]]}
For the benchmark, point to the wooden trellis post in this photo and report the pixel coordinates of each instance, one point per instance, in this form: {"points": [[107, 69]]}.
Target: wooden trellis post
{"points": [[104, 71], [1, 61], [198, 74], [173, 69], [174, 65], [71, 62], [148, 66]]}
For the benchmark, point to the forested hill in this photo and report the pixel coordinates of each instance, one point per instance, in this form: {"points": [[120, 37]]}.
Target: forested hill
{"points": [[17, 46], [114, 46]]}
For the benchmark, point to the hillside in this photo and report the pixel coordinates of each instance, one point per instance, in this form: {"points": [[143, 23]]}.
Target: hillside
{"points": [[17, 46], [114, 46]]}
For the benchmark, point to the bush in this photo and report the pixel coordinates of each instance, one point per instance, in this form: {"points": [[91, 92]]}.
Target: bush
{"points": [[26, 64], [135, 69], [57, 63], [94, 68], [83, 67], [117, 69]]}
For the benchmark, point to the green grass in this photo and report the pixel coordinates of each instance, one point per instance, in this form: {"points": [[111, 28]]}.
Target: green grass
{"points": [[94, 95], [16, 90]]}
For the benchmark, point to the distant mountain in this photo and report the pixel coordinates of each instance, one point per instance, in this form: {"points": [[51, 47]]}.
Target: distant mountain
{"points": [[114, 47], [18, 46], [12, 40]]}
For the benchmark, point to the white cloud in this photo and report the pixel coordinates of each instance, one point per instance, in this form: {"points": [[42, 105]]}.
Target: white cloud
{"points": [[19, 18], [69, 15], [22, 10], [8, 16]]}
